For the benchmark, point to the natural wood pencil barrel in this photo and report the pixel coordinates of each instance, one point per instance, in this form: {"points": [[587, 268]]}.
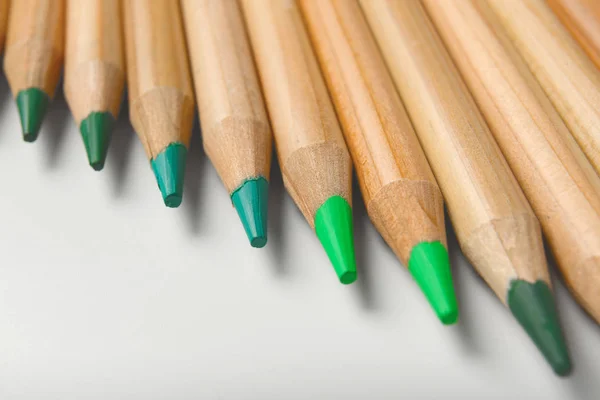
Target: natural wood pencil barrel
{"points": [[161, 100], [235, 126], [33, 57], [582, 19], [314, 161], [494, 223], [398, 187], [94, 70], [4, 4], [558, 180], [568, 76]]}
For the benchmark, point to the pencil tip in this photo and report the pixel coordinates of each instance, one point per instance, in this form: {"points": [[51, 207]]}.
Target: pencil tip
{"points": [[532, 304], [96, 132], [251, 203], [32, 104], [430, 267], [333, 226], [169, 169]]}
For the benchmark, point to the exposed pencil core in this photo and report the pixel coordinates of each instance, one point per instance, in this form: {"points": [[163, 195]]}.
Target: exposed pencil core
{"points": [[533, 306], [430, 267], [333, 226], [32, 104], [96, 133], [169, 169], [251, 201]]}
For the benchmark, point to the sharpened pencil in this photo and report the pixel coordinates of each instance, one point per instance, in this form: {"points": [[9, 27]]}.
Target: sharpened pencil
{"points": [[235, 126], [314, 160], [161, 99], [582, 19], [401, 195], [558, 180], [94, 71], [33, 58], [495, 226], [569, 78]]}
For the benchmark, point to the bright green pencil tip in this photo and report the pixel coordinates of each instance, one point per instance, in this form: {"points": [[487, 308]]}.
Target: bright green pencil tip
{"points": [[96, 132], [532, 304], [32, 104], [169, 169], [251, 202], [430, 267], [333, 225]]}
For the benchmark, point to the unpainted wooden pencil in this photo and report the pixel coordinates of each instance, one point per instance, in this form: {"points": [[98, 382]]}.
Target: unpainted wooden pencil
{"points": [[161, 99], [314, 160], [495, 226], [235, 126], [33, 58], [94, 71]]}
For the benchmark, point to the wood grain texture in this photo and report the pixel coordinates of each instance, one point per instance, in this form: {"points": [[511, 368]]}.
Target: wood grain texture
{"points": [[161, 100], [558, 180], [582, 19], [312, 154], [568, 76], [4, 4], [235, 126], [495, 225], [398, 187], [34, 45], [94, 57]]}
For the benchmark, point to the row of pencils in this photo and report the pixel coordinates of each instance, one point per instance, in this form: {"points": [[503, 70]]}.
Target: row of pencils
{"points": [[489, 106]]}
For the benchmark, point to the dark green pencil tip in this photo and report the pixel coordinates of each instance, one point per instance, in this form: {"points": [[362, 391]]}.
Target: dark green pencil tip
{"points": [[251, 202], [96, 132], [333, 225], [32, 104], [430, 267], [533, 306], [169, 169]]}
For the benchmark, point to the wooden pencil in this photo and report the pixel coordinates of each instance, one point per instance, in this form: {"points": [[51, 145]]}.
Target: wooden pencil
{"points": [[161, 99], [568, 76], [314, 160], [33, 58], [94, 71], [4, 4], [558, 180], [495, 226], [400, 193], [235, 127], [582, 19]]}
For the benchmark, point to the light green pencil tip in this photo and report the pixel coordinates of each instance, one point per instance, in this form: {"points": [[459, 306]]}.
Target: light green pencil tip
{"points": [[96, 132], [169, 169], [430, 267], [532, 304], [251, 202], [32, 104], [333, 225]]}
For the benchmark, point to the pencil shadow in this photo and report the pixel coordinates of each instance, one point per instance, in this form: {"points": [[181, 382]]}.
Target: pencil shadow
{"points": [[364, 282], [276, 245], [119, 152], [461, 270], [194, 179], [5, 94], [54, 127]]}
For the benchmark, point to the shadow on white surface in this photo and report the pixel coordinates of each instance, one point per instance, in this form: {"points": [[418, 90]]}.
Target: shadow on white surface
{"points": [[54, 129], [119, 151]]}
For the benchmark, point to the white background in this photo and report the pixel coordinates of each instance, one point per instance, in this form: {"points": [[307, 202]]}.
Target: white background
{"points": [[107, 294]]}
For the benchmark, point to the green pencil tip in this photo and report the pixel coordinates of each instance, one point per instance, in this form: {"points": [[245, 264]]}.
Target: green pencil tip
{"points": [[169, 169], [430, 267], [532, 304], [251, 202], [96, 132], [32, 104], [333, 225]]}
